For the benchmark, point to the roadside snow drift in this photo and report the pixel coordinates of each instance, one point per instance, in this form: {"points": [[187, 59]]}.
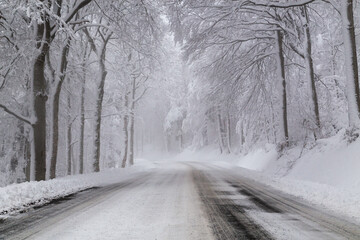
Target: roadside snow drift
{"points": [[17, 197]]}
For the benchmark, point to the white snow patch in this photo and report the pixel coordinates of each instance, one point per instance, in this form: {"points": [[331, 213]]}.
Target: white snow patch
{"points": [[259, 159], [17, 197]]}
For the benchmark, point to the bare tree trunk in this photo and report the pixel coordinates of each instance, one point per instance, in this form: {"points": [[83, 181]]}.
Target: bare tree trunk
{"points": [[18, 148], [351, 62], [131, 145], [55, 129], [27, 146], [242, 136], [281, 75], [22, 147], [39, 98], [69, 136], [55, 110], [126, 132], [310, 70], [205, 134], [132, 123], [82, 123], [27, 157], [228, 133], [100, 97], [333, 69], [222, 129], [43, 37], [2, 150], [220, 132], [74, 167], [273, 128]]}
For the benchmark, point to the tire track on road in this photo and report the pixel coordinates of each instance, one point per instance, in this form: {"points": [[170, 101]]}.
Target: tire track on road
{"points": [[289, 211], [228, 219]]}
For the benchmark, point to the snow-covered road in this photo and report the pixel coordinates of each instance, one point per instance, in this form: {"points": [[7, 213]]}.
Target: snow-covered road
{"points": [[160, 205], [179, 201]]}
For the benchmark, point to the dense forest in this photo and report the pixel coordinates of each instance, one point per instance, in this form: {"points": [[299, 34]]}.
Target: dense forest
{"points": [[92, 84]]}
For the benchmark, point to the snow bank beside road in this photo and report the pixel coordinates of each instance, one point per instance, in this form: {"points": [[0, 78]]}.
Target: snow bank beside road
{"points": [[17, 197], [325, 173], [331, 161], [341, 201], [259, 159]]}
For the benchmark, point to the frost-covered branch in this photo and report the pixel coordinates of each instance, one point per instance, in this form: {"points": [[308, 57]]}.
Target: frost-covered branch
{"points": [[288, 4], [16, 115], [141, 95]]}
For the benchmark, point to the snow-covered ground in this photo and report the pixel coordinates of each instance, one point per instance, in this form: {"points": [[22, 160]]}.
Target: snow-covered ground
{"points": [[17, 197], [326, 174]]}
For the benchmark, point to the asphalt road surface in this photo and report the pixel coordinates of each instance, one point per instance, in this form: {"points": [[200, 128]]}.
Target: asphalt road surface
{"points": [[179, 201]]}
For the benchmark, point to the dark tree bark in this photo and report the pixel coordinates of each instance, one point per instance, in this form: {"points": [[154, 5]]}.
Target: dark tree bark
{"points": [[55, 110], [18, 146], [242, 135], [131, 145], [310, 68], [69, 135], [228, 133], [205, 134], [132, 123], [99, 101], [352, 71], [44, 34], [126, 132], [40, 97], [100, 96], [281, 63], [220, 132], [82, 122], [222, 129], [27, 157]]}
